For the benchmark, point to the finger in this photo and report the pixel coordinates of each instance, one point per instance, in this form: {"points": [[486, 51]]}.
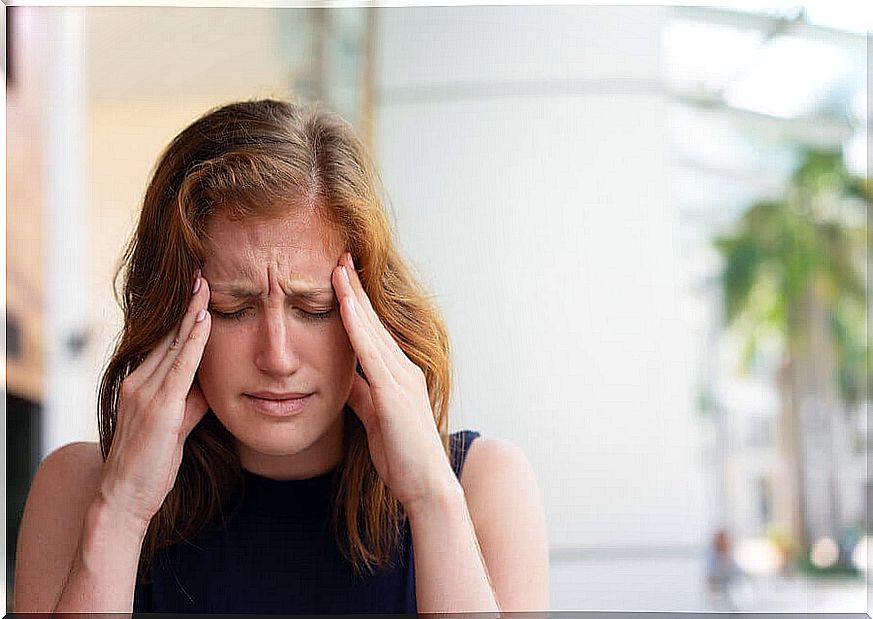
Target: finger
{"points": [[360, 293], [157, 354], [361, 401], [189, 327], [199, 301], [144, 370], [179, 379], [368, 329], [398, 358], [347, 261], [372, 359]]}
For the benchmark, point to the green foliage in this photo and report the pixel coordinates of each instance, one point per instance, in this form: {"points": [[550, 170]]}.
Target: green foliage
{"points": [[815, 235], [836, 571]]}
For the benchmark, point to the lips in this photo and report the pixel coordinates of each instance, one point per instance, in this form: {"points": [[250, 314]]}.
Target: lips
{"points": [[273, 395], [278, 404]]}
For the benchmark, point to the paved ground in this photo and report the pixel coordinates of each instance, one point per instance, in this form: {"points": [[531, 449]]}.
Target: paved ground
{"points": [[678, 585], [802, 595]]}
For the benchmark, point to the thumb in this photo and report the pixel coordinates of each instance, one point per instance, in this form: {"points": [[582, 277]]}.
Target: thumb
{"points": [[361, 401], [195, 409]]}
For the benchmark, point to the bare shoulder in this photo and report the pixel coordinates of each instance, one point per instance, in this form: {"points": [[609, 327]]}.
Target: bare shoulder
{"points": [[82, 453], [72, 471], [60, 494], [493, 461], [506, 509]]}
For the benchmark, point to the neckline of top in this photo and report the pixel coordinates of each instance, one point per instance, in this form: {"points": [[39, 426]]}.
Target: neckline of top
{"points": [[268, 480], [281, 498]]}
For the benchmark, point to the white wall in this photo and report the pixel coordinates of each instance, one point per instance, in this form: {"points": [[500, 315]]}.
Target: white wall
{"points": [[66, 320], [525, 150]]}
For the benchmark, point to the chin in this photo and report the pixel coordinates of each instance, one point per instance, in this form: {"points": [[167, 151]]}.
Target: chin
{"points": [[280, 436], [275, 441], [273, 446]]}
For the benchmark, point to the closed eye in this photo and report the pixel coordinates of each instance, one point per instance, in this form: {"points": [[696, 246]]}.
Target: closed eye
{"points": [[245, 313], [316, 316], [237, 315]]}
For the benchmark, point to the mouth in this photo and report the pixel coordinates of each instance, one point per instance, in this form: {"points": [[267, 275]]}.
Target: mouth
{"points": [[278, 404]]}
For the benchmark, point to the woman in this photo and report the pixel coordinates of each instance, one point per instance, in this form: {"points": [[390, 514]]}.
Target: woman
{"points": [[273, 421]]}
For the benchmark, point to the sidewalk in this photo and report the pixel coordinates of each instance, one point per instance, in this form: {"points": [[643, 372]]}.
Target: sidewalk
{"points": [[678, 585], [799, 594]]}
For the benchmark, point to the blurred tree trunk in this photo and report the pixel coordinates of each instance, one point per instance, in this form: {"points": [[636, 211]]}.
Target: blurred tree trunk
{"points": [[788, 511], [807, 384]]}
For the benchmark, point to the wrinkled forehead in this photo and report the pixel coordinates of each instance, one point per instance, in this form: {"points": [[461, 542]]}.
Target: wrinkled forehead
{"points": [[297, 232]]}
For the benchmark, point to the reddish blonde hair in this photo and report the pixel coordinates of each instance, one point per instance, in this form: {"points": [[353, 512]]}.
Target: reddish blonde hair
{"points": [[258, 159]]}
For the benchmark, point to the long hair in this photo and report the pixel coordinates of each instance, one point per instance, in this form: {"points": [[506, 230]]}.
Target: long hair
{"points": [[262, 158]]}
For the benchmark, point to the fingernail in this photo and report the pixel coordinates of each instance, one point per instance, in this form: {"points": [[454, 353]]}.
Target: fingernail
{"points": [[346, 275], [351, 262], [196, 284], [200, 315]]}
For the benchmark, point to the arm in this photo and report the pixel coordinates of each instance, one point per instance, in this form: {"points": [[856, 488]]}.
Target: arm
{"points": [[450, 574], [394, 406], [85, 519], [69, 544], [499, 512], [102, 576], [505, 504]]}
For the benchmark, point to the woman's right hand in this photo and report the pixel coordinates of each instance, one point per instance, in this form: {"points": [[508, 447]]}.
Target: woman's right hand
{"points": [[159, 404]]}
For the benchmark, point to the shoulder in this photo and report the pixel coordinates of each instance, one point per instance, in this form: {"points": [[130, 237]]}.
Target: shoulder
{"points": [[498, 476], [506, 509], [492, 460], [71, 470], [82, 452], [65, 481], [60, 494]]}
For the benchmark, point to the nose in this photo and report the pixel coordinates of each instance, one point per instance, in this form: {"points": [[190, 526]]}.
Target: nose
{"points": [[276, 354]]}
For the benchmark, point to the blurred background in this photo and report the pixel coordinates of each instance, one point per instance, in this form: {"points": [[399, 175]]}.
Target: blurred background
{"points": [[646, 227]]}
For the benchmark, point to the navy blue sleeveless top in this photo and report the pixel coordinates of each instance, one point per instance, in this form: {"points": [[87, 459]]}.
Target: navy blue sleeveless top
{"points": [[277, 554]]}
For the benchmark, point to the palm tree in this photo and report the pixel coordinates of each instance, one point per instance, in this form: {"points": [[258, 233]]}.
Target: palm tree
{"points": [[794, 271]]}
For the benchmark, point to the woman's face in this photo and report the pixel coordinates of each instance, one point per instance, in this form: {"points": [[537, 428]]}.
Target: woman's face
{"points": [[277, 333]]}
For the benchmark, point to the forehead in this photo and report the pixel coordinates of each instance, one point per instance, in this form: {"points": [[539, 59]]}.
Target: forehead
{"points": [[298, 238]]}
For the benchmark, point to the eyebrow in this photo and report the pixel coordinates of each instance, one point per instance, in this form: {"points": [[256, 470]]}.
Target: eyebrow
{"points": [[248, 294]]}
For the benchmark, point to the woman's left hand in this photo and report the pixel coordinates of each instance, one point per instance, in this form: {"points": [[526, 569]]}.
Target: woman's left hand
{"points": [[392, 402]]}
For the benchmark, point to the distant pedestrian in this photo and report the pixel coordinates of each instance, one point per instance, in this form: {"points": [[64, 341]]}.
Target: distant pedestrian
{"points": [[721, 572]]}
